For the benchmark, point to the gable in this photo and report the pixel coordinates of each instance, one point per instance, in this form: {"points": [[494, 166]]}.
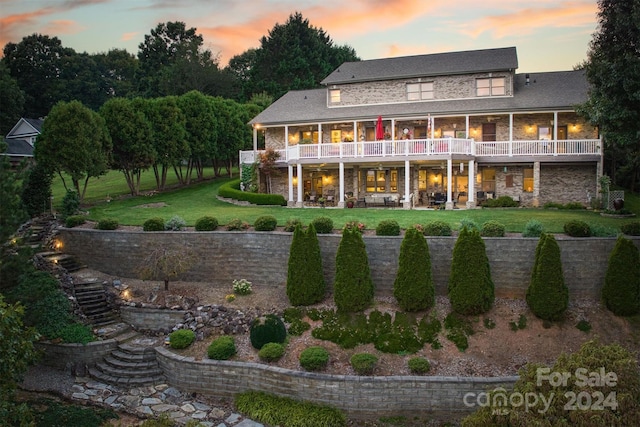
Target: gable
{"points": [[25, 128]]}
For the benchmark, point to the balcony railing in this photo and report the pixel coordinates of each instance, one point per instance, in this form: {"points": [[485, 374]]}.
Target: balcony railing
{"points": [[433, 147]]}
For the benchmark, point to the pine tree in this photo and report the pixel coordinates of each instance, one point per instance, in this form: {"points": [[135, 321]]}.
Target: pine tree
{"points": [[353, 287], [621, 290], [305, 279], [413, 287], [547, 295]]}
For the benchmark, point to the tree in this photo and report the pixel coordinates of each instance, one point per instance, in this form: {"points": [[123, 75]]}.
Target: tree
{"points": [[612, 69], [233, 132], [621, 290], [11, 100], [118, 69], [353, 288], [268, 160], [75, 141], [36, 189], [547, 294], [413, 287], [305, 280], [12, 213], [166, 264]]}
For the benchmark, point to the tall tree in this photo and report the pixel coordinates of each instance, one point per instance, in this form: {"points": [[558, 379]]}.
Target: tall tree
{"points": [[11, 210], [612, 69], [11, 100], [233, 132], [118, 69]]}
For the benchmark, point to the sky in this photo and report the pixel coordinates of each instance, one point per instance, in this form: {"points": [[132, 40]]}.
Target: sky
{"points": [[550, 35]]}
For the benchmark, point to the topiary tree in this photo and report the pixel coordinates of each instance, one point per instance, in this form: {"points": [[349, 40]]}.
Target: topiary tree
{"points": [[413, 287], [471, 290], [266, 329], [547, 295], [353, 287], [621, 290], [305, 279]]}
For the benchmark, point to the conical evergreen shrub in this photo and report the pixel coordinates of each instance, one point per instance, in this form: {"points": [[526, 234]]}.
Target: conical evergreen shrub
{"points": [[471, 290], [353, 287], [305, 280], [547, 295], [413, 287], [621, 290]]}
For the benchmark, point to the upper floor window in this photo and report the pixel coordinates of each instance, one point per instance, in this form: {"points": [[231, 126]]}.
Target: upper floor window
{"points": [[334, 96], [419, 91], [494, 86]]}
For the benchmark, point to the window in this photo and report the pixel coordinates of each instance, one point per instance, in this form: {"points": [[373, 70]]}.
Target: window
{"points": [[376, 181], [419, 91], [336, 135], [489, 180], [544, 133], [494, 86], [527, 182], [334, 96]]}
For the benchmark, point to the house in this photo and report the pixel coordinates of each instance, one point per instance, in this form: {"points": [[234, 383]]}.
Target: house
{"points": [[451, 128], [21, 140]]}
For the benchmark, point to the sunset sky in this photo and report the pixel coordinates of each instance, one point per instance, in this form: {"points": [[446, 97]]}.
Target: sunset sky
{"points": [[550, 35]]}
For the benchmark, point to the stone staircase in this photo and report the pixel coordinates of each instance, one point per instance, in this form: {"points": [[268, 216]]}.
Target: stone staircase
{"points": [[66, 261], [92, 300]]}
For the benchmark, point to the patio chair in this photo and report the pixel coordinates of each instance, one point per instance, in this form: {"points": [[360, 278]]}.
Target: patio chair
{"points": [[330, 200]]}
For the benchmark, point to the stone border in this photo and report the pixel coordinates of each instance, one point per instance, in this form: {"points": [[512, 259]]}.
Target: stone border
{"points": [[75, 358]]}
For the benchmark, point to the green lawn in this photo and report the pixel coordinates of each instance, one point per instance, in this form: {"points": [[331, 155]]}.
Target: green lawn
{"points": [[200, 199]]}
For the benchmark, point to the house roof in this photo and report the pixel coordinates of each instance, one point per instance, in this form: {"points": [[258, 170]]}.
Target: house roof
{"points": [[550, 91], [18, 148], [439, 64], [26, 127]]}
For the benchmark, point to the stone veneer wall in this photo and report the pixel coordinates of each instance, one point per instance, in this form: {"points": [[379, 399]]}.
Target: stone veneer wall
{"points": [[358, 396], [262, 257]]}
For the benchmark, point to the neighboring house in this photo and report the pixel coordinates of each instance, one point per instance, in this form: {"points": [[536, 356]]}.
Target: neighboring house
{"points": [[21, 139], [456, 128]]}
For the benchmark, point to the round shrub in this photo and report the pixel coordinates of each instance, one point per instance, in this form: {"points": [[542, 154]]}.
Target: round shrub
{"points": [[291, 224], [492, 228], [577, 228], [314, 358], [221, 348], [206, 223], [181, 338], [271, 352], [363, 363], [323, 225], [107, 224], [419, 365], [74, 221], [176, 223], [153, 224], [631, 228], [388, 227], [237, 225], [437, 228], [266, 223], [266, 329], [533, 228]]}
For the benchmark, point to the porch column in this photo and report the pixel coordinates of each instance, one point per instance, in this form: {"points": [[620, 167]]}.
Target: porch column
{"points": [[393, 129], [555, 125], [466, 126], [536, 184], [510, 134], [286, 142], [407, 187], [449, 204], [341, 175], [255, 141], [290, 189], [471, 187], [356, 187], [319, 133], [300, 200]]}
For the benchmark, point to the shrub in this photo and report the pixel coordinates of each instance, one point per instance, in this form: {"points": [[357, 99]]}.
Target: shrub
{"points": [[153, 224], [356, 226], [547, 294], [552, 205], [471, 290], [266, 329], [206, 223], [222, 348], [232, 190], [291, 224], [314, 358], [574, 206], [492, 228], [598, 230], [533, 228], [388, 227], [419, 365], [500, 202], [577, 228], [237, 224], [76, 333], [242, 287], [413, 286], [74, 221], [353, 287], [323, 225], [182, 338], [305, 278], [621, 290], [266, 223], [107, 224], [437, 228], [271, 352], [70, 203], [469, 224], [363, 363], [175, 223], [631, 228], [584, 326]]}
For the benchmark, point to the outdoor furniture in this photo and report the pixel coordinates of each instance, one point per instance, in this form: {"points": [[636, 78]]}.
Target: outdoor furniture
{"points": [[330, 200], [439, 199]]}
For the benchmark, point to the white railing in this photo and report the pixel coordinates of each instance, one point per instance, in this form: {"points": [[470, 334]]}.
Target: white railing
{"points": [[433, 147]]}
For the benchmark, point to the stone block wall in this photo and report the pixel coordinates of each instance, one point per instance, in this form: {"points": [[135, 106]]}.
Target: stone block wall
{"points": [[75, 357], [153, 319]]}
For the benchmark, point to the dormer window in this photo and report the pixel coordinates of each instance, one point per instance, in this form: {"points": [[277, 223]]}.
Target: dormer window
{"points": [[494, 86], [419, 91], [334, 96]]}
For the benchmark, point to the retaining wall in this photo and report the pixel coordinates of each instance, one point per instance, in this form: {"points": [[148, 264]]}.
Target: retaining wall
{"points": [[153, 319], [75, 357]]}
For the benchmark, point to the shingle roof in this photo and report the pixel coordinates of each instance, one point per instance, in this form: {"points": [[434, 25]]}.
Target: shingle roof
{"points": [[36, 123], [18, 147], [439, 64]]}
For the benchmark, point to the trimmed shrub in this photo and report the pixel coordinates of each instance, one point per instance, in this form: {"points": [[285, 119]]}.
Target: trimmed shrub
{"points": [[547, 294], [231, 190], [237, 224], [469, 224], [305, 279], [266, 329], [323, 225], [363, 363], [74, 221], [577, 228], [70, 203], [413, 287], [266, 223], [353, 287], [621, 290], [631, 228], [471, 290], [314, 358], [182, 338], [271, 352], [76, 333], [500, 202], [206, 223], [222, 348], [153, 224], [291, 224], [175, 223], [107, 224], [388, 227], [419, 365], [598, 230], [437, 228], [492, 228], [533, 228]]}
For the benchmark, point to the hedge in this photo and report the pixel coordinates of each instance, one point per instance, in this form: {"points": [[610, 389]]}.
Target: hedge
{"points": [[231, 190]]}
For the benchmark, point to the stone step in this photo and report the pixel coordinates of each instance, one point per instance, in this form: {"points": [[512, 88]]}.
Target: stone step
{"points": [[125, 381], [126, 356], [94, 306], [135, 368], [88, 299]]}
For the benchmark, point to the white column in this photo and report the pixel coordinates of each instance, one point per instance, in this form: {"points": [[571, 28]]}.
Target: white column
{"points": [[466, 125], [449, 204], [286, 139], [341, 177], [536, 184], [255, 140], [300, 186], [471, 188], [555, 125], [407, 186], [290, 189], [510, 134]]}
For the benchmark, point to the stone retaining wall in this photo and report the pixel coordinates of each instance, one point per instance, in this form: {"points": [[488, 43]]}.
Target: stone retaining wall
{"points": [[152, 319], [75, 357], [358, 396]]}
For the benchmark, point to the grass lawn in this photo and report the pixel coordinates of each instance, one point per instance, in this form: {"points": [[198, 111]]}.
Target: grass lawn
{"points": [[200, 199]]}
